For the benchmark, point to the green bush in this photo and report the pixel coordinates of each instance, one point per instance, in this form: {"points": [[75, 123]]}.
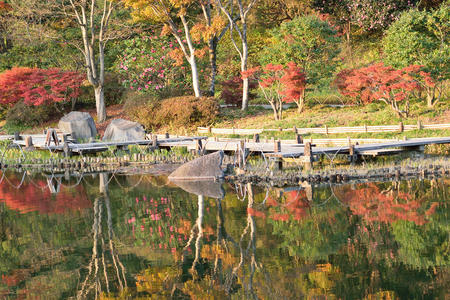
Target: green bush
{"points": [[176, 112], [421, 38], [22, 115]]}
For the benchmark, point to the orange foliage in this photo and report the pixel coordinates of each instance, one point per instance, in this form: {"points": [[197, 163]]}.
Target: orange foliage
{"points": [[184, 226]]}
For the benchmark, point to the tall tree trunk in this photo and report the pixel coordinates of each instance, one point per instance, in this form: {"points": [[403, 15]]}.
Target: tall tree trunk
{"points": [[430, 97], [245, 83], [213, 64], [195, 81], [100, 103]]}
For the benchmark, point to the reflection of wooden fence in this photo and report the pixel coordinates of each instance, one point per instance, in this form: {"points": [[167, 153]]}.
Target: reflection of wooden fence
{"points": [[326, 130]]}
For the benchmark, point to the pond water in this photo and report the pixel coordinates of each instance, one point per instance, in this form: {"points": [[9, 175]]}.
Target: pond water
{"points": [[140, 236]]}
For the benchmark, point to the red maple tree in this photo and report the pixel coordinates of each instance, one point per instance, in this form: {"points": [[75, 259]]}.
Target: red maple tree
{"points": [[378, 82], [38, 86], [294, 83], [280, 85]]}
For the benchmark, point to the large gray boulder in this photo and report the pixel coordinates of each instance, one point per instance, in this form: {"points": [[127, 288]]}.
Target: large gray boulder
{"points": [[120, 130], [208, 167], [79, 124]]}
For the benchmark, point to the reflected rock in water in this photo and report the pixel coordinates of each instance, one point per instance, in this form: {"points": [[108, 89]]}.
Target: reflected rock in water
{"points": [[207, 188], [207, 167]]}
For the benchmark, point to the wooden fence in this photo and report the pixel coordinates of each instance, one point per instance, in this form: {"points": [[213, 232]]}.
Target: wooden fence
{"points": [[326, 130]]}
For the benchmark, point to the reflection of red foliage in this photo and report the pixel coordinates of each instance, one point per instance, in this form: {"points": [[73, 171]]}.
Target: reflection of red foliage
{"points": [[376, 206], [255, 213], [295, 205], [37, 197], [16, 277], [280, 217]]}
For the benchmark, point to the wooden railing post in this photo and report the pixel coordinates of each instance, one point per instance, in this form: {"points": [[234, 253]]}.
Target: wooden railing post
{"points": [[154, 141], [401, 127], [307, 156], [256, 138], [298, 139], [277, 146]]}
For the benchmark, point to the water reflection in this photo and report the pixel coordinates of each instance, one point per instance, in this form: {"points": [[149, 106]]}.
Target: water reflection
{"points": [[141, 236], [103, 248]]}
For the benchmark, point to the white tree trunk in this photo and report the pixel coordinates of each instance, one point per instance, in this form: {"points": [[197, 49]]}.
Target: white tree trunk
{"points": [[195, 81], [245, 83], [100, 103]]}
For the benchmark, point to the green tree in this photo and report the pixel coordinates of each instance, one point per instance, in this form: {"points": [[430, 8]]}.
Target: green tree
{"points": [[421, 38], [307, 41]]}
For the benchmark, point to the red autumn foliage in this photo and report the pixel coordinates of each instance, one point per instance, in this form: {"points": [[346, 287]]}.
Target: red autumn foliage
{"points": [[374, 205], [38, 86], [382, 83], [36, 196], [4, 6], [232, 91], [280, 85], [294, 83]]}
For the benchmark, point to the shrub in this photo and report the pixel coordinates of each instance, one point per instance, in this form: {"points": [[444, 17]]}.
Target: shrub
{"points": [[187, 111], [36, 86], [140, 108], [22, 114], [177, 112]]}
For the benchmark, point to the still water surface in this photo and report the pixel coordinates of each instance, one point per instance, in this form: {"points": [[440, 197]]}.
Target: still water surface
{"points": [[139, 236]]}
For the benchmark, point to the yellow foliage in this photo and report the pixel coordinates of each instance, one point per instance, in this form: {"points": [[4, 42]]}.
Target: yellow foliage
{"points": [[156, 280], [197, 31], [382, 295], [204, 289]]}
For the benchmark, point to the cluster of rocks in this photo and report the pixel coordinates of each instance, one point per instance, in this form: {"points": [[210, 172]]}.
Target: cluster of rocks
{"points": [[81, 127]]}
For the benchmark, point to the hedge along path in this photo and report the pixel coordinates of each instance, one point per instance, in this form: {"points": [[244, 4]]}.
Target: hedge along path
{"points": [[326, 130]]}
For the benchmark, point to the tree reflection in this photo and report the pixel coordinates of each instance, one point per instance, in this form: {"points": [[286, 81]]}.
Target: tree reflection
{"points": [[92, 283]]}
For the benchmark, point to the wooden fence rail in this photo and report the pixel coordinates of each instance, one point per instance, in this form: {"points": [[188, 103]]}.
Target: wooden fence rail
{"points": [[326, 130]]}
